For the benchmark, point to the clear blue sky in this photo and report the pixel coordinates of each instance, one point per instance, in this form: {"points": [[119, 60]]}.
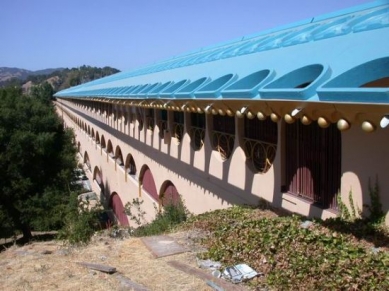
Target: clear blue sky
{"points": [[126, 34]]}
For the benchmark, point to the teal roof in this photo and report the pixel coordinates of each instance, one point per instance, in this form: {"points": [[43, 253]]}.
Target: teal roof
{"points": [[326, 58]]}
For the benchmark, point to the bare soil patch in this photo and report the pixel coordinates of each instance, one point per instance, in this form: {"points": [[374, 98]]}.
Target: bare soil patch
{"points": [[50, 265]]}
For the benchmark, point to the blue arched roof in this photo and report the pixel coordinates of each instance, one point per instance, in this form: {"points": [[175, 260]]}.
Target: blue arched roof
{"points": [[326, 58]]}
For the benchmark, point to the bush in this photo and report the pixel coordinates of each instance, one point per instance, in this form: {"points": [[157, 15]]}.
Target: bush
{"points": [[81, 222], [165, 220]]}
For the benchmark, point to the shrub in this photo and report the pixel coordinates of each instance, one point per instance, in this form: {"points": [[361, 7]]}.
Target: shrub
{"points": [[81, 222], [171, 215]]}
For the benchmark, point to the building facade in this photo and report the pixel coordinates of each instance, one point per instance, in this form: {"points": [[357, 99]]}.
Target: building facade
{"points": [[294, 116]]}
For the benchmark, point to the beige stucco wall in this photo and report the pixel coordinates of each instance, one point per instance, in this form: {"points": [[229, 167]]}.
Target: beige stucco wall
{"points": [[365, 158], [208, 182]]}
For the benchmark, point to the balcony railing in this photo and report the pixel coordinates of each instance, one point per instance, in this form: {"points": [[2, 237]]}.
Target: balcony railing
{"points": [[197, 135], [178, 131], [162, 124], [150, 122], [261, 154], [223, 143]]}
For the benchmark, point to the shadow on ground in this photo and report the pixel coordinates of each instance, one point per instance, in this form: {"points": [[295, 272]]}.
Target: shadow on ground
{"points": [[20, 241]]}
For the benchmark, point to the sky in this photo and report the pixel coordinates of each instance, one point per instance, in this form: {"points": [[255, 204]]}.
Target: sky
{"points": [[127, 34]]}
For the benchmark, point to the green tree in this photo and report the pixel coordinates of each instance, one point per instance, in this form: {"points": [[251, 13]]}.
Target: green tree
{"points": [[43, 92], [37, 158]]}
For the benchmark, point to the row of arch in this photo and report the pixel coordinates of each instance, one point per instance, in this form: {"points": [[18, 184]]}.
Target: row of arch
{"points": [[167, 194]]}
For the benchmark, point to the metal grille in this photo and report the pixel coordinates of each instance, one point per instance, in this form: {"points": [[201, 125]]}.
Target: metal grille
{"points": [[260, 143], [223, 136], [197, 120], [224, 124], [178, 125], [197, 131], [313, 162]]}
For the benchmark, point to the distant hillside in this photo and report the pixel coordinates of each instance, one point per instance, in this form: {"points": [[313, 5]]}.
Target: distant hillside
{"points": [[60, 78], [7, 74]]}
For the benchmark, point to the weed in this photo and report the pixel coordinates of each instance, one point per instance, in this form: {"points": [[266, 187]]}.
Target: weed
{"points": [[134, 211], [171, 215], [346, 214], [81, 222], [291, 257], [376, 215]]}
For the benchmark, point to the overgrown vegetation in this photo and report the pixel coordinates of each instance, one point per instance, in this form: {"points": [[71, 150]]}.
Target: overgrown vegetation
{"points": [[348, 253], [170, 216], [292, 257], [37, 157], [81, 221]]}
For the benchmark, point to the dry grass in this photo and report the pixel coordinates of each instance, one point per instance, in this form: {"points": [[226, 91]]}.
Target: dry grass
{"points": [[29, 268]]}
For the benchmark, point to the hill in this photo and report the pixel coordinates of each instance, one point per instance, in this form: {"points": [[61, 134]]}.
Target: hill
{"points": [[7, 73], [59, 78]]}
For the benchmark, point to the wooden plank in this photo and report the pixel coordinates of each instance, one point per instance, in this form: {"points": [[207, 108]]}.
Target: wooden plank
{"points": [[98, 267]]}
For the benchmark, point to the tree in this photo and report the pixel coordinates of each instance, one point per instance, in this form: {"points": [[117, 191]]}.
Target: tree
{"points": [[37, 158], [43, 92]]}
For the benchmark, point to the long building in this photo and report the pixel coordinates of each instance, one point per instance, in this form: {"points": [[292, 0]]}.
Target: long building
{"points": [[296, 117]]}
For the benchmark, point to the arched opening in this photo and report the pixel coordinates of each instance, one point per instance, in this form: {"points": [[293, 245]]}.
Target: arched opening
{"points": [[162, 122], [119, 156], [98, 178], [87, 162], [103, 145], [178, 125], [150, 122], [223, 135], [363, 83], [197, 130], [97, 137], [116, 204], [89, 131], [79, 147], [139, 116], [260, 143], [169, 194], [146, 180], [130, 165], [110, 149], [93, 133]]}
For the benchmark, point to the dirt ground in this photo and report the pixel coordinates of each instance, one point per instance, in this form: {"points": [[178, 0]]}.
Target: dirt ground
{"points": [[51, 265]]}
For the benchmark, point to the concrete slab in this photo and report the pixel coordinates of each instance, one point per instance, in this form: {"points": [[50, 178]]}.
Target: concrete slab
{"points": [[163, 246]]}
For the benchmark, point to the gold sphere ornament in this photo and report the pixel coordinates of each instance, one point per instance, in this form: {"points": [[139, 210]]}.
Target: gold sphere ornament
{"points": [[367, 126], [250, 115], [306, 120], [343, 124], [323, 123], [221, 112], [239, 114], [261, 116], [274, 117], [230, 112], [289, 118]]}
